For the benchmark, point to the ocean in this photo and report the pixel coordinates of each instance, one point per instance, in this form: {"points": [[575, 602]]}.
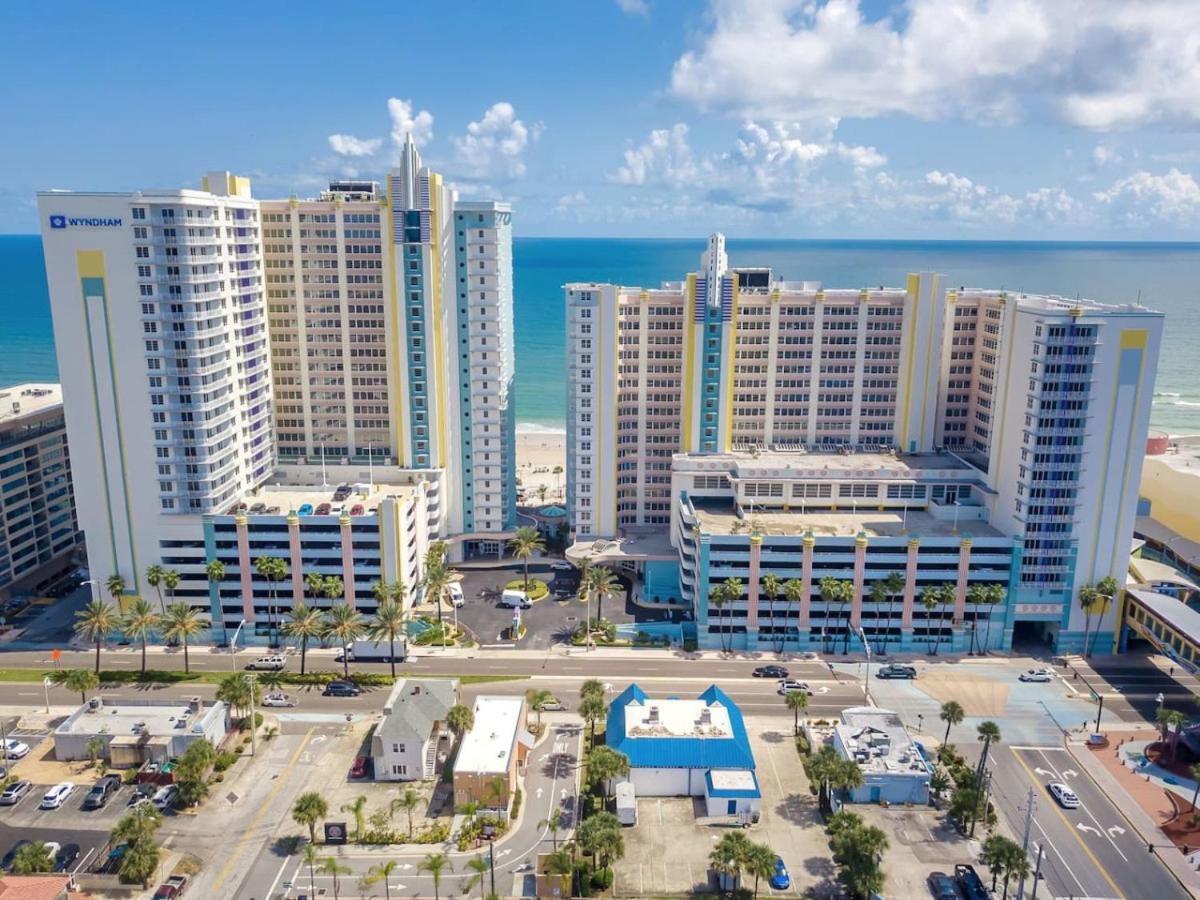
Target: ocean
{"points": [[1166, 277]]}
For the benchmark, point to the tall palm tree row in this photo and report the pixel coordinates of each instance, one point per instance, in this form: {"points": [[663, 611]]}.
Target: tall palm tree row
{"points": [[182, 623], [274, 569], [437, 580], [935, 597], [793, 592], [139, 622], [772, 587], [838, 592], [388, 624], [985, 597], [345, 625], [95, 623], [304, 623]]}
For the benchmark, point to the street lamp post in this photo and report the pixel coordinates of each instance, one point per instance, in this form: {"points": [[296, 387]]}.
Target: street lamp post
{"points": [[46, 687], [252, 680], [233, 644], [492, 859], [920, 722]]}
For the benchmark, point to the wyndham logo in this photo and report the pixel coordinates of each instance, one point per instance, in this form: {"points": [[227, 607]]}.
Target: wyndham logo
{"points": [[57, 222]]}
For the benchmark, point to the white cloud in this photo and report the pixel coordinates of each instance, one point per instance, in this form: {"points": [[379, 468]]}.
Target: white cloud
{"points": [[1103, 155], [1174, 196], [569, 202], [404, 122], [349, 145], [666, 157], [1096, 64], [494, 147], [634, 7]]}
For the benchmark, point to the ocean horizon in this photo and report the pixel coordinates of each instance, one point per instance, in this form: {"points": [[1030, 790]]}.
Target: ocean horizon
{"points": [[1161, 275]]}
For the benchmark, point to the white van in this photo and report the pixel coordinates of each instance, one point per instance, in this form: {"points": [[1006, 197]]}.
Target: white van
{"points": [[514, 599], [455, 592]]}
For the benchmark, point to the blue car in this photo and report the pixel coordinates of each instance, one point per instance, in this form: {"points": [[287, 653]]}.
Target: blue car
{"points": [[780, 880], [305, 510]]}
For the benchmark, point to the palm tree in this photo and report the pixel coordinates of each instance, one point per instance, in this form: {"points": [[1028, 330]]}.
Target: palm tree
{"points": [[893, 585], [311, 856], [171, 578], [437, 581], [239, 692], [82, 680], [274, 569], [182, 623], [460, 719], [95, 622], [797, 702], [524, 544], [837, 591], [436, 864], [333, 588], [330, 866], [772, 587], [314, 584], [309, 809], [554, 821], [407, 801], [1170, 722], [357, 809], [139, 621], [932, 597], [115, 585], [986, 595], [759, 861], [1194, 771], [989, 733], [1106, 590], [592, 709], [952, 713], [879, 596], [497, 789], [1100, 606], [537, 700], [479, 868], [793, 592], [602, 582], [604, 765], [381, 872], [718, 596], [345, 625], [306, 623], [541, 492], [214, 570], [154, 577], [32, 858], [386, 625], [729, 854]]}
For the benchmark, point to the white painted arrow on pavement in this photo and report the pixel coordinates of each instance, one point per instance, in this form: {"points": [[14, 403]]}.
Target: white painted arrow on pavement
{"points": [[502, 854], [1115, 829], [562, 793], [539, 793], [1042, 772], [404, 866], [1069, 773], [317, 738], [1083, 827]]}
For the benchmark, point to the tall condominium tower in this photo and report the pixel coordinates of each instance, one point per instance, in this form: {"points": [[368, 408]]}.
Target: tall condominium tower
{"points": [[718, 404], [161, 332]]}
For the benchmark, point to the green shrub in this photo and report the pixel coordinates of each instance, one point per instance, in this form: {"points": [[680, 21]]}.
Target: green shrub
{"points": [[516, 803], [690, 646], [224, 760], [802, 745], [436, 833], [537, 588], [602, 879]]}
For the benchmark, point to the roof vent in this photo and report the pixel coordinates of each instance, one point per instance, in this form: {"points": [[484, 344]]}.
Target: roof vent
{"points": [[652, 714]]}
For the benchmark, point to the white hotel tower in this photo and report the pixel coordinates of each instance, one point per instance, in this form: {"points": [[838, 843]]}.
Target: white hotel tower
{"points": [[955, 438], [226, 363]]}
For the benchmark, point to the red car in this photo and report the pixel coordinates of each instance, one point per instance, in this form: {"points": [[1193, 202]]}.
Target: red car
{"points": [[360, 766], [173, 887], [356, 509], [323, 509]]}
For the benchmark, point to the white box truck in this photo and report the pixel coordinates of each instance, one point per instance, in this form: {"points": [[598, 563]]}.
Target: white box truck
{"points": [[377, 651]]}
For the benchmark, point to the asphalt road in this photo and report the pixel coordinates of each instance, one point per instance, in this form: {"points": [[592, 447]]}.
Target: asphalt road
{"points": [[1131, 685], [1091, 851]]}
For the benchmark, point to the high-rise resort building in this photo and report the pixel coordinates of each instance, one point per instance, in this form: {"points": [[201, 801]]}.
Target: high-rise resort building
{"points": [[326, 381], [928, 466], [38, 530]]}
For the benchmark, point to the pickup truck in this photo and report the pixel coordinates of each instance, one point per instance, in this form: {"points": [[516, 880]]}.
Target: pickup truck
{"points": [[970, 883], [173, 887]]}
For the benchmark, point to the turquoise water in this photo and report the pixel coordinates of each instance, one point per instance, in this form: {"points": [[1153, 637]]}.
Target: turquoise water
{"points": [[1166, 276]]}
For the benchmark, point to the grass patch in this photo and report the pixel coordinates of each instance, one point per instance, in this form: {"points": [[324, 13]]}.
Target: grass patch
{"points": [[537, 588]]}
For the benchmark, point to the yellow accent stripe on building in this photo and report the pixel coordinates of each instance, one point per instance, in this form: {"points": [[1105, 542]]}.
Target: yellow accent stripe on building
{"points": [[1134, 338], [90, 263], [689, 359], [441, 405], [397, 393], [913, 287], [933, 285], [731, 334], [1112, 416], [1131, 339]]}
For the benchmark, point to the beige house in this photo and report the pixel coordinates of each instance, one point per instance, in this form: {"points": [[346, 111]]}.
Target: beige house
{"points": [[492, 754]]}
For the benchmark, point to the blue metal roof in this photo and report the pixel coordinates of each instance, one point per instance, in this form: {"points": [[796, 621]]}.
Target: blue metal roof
{"points": [[731, 792], [680, 752]]}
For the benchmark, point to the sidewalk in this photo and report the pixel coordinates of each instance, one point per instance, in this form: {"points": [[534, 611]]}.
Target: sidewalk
{"points": [[1140, 802]]}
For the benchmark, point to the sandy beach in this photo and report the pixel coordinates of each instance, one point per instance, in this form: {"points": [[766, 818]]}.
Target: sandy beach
{"points": [[539, 451]]}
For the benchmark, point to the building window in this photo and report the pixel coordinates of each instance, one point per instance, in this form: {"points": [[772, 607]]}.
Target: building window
{"points": [[399, 770]]}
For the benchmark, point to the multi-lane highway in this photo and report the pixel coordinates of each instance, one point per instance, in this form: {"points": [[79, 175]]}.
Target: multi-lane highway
{"points": [[1091, 851]]}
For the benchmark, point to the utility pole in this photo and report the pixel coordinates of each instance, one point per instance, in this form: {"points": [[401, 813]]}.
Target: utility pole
{"points": [[1099, 711], [1030, 806], [1037, 873], [252, 681]]}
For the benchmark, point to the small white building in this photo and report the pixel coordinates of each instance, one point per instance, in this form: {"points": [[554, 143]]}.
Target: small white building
{"points": [[140, 730], [491, 756], [687, 748], [407, 743], [894, 769]]}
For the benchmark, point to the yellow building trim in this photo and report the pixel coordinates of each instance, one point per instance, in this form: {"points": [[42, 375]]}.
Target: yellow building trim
{"points": [[731, 333], [913, 287], [929, 354], [689, 358], [1131, 339], [435, 280], [1134, 338], [90, 263], [395, 307], [1112, 416]]}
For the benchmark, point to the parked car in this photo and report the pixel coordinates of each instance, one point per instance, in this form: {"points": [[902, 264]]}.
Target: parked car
{"points": [[164, 798], [323, 509], [776, 672], [358, 769], [173, 887], [342, 689], [943, 887], [7, 861], [138, 800], [513, 599], [553, 705], [343, 491], [304, 510], [1042, 674], [268, 663], [357, 509], [787, 685], [455, 593], [57, 795], [65, 858], [895, 670], [101, 791], [1064, 795], [780, 880], [278, 700], [258, 509], [15, 749], [969, 882], [15, 792], [561, 565]]}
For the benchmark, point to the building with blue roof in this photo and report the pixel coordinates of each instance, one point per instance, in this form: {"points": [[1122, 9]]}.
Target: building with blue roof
{"points": [[687, 748]]}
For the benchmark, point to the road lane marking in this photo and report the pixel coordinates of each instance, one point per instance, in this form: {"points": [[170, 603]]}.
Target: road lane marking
{"points": [[1099, 828], [1071, 828], [281, 780]]}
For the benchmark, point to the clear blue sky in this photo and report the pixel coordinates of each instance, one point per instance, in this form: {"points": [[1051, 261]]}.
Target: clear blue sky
{"points": [[793, 118]]}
